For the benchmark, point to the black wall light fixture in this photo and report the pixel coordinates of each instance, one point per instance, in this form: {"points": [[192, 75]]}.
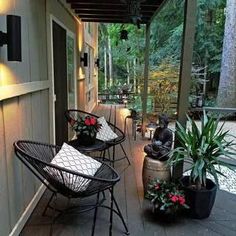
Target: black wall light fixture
{"points": [[97, 62], [12, 38], [84, 59]]}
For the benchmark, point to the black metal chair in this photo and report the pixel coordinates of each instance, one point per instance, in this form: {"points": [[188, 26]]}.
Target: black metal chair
{"points": [[38, 156], [72, 115]]}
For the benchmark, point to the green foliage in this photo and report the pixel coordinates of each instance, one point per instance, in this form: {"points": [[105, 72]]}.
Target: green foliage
{"points": [[164, 85], [210, 32], [166, 196], [166, 42], [203, 148], [88, 125], [166, 33]]}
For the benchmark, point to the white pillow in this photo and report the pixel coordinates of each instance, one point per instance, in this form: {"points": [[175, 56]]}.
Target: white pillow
{"points": [[105, 133], [71, 159]]}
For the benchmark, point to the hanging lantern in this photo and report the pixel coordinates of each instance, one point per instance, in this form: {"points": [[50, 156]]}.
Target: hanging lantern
{"points": [[124, 34]]}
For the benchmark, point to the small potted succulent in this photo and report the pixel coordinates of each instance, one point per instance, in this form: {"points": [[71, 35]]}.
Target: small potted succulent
{"points": [[167, 198], [203, 148], [86, 129]]}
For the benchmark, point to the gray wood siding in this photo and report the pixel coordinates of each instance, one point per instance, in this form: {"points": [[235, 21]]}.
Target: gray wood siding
{"points": [[25, 116], [26, 105], [4, 200]]}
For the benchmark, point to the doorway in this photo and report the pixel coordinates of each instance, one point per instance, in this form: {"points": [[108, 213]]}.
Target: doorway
{"points": [[60, 82]]}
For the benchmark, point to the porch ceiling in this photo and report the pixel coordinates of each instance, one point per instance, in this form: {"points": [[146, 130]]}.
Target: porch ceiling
{"points": [[115, 11]]}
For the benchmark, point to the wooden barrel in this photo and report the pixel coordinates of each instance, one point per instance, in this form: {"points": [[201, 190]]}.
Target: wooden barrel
{"points": [[152, 169]]}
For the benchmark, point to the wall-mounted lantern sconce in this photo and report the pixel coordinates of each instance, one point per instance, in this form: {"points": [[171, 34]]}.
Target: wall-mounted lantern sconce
{"points": [[97, 62], [12, 38], [84, 59]]}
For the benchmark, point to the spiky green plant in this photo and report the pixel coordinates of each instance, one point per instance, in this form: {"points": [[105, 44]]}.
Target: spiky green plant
{"points": [[203, 148]]}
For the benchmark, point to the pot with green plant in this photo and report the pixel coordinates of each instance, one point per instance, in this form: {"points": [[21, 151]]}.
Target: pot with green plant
{"points": [[167, 199], [203, 148]]}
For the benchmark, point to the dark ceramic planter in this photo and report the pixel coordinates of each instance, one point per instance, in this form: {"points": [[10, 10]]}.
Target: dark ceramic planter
{"points": [[199, 201], [166, 216], [86, 140]]}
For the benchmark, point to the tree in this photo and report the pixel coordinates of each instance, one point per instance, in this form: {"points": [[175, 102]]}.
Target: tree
{"points": [[227, 86]]}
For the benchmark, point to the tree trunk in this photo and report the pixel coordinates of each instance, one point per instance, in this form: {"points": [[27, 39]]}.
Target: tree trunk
{"points": [[110, 63], [146, 77], [227, 86], [128, 73], [105, 67], [135, 76]]}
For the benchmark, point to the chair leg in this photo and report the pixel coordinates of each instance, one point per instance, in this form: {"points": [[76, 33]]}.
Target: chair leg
{"points": [[125, 129], [113, 155], [124, 153], [95, 214], [46, 207], [121, 216], [111, 211]]}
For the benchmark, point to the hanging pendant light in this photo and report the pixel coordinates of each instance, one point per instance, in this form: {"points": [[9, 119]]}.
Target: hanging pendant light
{"points": [[124, 34]]}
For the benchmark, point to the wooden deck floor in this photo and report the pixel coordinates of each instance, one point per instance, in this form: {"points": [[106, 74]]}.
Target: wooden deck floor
{"points": [[136, 210]]}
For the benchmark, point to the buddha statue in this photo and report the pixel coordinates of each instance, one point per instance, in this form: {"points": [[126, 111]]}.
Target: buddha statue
{"points": [[161, 141]]}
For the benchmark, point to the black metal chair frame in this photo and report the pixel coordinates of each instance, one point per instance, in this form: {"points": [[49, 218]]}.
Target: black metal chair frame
{"points": [[38, 156], [73, 114], [134, 120]]}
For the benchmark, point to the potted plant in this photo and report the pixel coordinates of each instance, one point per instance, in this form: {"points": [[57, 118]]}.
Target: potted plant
{"points": [[86, 129], [166, 198], [203, 148]]}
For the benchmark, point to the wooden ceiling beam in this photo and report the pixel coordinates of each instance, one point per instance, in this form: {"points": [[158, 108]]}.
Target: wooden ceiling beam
{"points": [[94, 1], [106, 21], [106, 14], [98, 11], [114, 10], [109, 20], [95, 6], [109, 7], [98, 2]]}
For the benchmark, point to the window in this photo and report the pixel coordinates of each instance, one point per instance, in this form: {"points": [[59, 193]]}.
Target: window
{"points": [[70, 46]]}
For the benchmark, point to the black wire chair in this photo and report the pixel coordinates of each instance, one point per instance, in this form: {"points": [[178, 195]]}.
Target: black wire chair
{"points": [[38, 156], [72, 115]]}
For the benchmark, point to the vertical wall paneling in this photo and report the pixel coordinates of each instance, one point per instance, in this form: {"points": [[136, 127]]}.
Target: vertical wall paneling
{"points": [[25, 118], [4, 204], [45, 115], [37, 113], [14, 167], [37, 47]]}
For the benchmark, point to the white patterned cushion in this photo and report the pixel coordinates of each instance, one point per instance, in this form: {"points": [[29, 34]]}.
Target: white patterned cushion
{"points": [[105, 133], [71, 159]]}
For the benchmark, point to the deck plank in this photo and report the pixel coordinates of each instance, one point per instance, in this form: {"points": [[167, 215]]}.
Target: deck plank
{"points": [[136, 210]]}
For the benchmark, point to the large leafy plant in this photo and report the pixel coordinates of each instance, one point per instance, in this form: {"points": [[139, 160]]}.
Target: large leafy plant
{"points": [[204, 148]]}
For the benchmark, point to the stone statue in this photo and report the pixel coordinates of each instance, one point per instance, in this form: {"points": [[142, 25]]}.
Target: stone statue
{"points": [[161, 142]]}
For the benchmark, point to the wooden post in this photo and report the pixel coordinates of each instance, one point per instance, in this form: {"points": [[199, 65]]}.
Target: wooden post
{"points": [[146, 77], [185, 69]]}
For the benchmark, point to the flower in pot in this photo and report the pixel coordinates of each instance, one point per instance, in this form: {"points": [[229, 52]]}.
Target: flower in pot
{"points": [[203, 148], [86, 129], [166, 197]]}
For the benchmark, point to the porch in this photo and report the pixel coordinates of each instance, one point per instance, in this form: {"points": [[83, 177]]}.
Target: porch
{"points": [[136, 210]]}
